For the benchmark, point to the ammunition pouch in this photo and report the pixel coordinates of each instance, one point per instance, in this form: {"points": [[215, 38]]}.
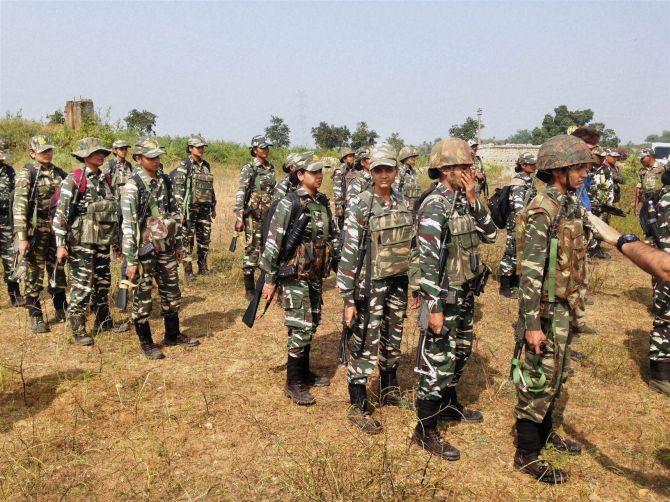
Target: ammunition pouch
{"points": [[464, 263], [312, 261], [259, 203], [158, 235], [202, 186], [98, 225], [391, 235]]}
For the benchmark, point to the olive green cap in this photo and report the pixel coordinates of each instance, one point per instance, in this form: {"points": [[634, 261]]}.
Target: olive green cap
{"points": [[88, 146]]}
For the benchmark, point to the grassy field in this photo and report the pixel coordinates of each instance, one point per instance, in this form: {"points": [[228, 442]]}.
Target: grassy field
{"points": [[212, 422]]}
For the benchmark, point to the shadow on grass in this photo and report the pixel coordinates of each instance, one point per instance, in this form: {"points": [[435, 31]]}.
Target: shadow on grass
{"points": [[663, 457], [191, 299], [637, 343], [655, 482], [39, 394], [641, 295], [204, 325]]}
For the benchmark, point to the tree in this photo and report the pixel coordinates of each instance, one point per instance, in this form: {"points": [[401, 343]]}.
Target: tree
{"points": [[57, 117], [363, 136], [608, 137], [141, 121], [395, 141], [278, 132], [328, 136], [522, 136], [467, 130], [559, 123], [427, 146], [664, 137]]}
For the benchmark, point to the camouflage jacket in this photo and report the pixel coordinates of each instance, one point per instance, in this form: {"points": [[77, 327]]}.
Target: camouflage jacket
{"points": [[602, 185], [264, 182], [187, 168], [119, 172], [663, 212], [132, 219], [280, 226], [358, 186], [361, 207], [283, 188], [432, 218], [97, 188], [407, 182], [340, 185], [522, 191], [47, 179], [7, 181], [478, 167], [650, 177]]}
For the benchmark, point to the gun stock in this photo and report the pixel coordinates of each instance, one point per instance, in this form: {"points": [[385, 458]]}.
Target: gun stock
{"points": [[249, 316], [342, 357], [233, 243]]}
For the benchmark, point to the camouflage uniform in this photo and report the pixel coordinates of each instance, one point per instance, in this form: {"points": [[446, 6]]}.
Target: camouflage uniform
{"points": [[342, 177], [649, 179], [288, 185], [601, 189], [119, 173], [35, 184], [194, 193], [523, 190], [7, 250], [357, 186], [407, 181]]}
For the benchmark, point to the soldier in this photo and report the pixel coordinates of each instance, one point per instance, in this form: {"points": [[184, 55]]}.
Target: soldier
{"points": [[552, 247], [601, 191], [7, 252], [342, 178], [451, 222], [407, 182], [480, 174], [118, 168], [152, 246], [85, 225], [521, 192], [363, 181], [296, 259], [290, 183], [194, 192], [372, 278], [649, 176], [35, 184], [254, 195], [618, 179]]}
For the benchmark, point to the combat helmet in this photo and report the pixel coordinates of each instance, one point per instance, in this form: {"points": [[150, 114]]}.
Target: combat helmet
{"points": [[383, 155], [4, 150], [446, 153], [406, 152], [561, 151], [344, 151]]}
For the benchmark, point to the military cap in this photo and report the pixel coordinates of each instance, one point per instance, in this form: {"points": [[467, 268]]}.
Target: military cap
{"points": [[472, 142], [600, 152], [526, 158], [563, 151], [312, 167], [646, 152], [301, 160], [362, 153], [147, 146], [119, 143], [88, 146], [260, 142], [344, 151], [4, 150], [406, 152], [290, 162], [196, 140], [383, 155], [450, 152], [611, 153], [40, 143]]}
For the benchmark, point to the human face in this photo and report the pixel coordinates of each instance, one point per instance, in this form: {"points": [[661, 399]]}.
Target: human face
{"points": [[311, 180], [454, 175], [45, 157], [349, 159], [529, 168], [197, 151], [648, 161], [95, 160], [577, 175], [121, 152], [150, 165], [410, 161], [365, 164], [262, 153], [383, 176]]}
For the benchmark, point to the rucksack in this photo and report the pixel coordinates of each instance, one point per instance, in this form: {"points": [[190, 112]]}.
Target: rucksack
{"points": [[32, 192], [81, 183], [498, 205], [423, 196]]}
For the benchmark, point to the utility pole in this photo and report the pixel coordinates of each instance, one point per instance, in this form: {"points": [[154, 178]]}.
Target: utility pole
{"points": [[479, 123]]}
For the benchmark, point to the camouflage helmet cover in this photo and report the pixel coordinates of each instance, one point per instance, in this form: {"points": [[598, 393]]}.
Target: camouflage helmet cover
{"points": [[362, 153], [406, 152], [88, 146], [526, 158], [119, 143], [450, 152], [147, 146], [383, 155], [4, 150], [196, 140], [563, 151], [40, 143], [344, 151]]}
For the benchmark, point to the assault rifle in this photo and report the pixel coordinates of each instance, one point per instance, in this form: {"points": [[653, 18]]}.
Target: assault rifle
{"points": [[607, 208], [248, 191]]}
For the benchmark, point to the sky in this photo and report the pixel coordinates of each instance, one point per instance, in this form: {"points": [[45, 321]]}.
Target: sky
{"points": [[416, 68]]}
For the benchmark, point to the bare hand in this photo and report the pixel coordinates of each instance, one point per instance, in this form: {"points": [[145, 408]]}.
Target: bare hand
{"points": [[179, 254], [415, 303], [239, 226], [24, 245], [350, 313], [609, 234], [436, 322], [536, 340], [61, 254], [268, 291], [468, 180], [131, 271]]}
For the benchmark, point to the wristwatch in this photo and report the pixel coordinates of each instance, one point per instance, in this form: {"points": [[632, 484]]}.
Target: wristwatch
{"points": [[625, 239]]}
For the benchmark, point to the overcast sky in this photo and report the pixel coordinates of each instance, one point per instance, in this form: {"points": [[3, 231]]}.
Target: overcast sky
{"points": [[223, 68]]}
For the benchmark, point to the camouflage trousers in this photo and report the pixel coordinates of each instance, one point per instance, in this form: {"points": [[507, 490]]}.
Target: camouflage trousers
{"points": [[381, 343], [449, 353], [659, 344], [555, 363], [302, 302], [7, 252], [200, 231], [252, 248], [90, 279], [43, 256], [163, 267], [508, 261]]}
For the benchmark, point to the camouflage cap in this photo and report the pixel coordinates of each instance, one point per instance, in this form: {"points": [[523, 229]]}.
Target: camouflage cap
{"points": [[4, 150], [406, 152], [40, 143], [450, 152], [362, 153], [563, 150], [600, 152], [196, 140], [147, 146], [645, 152], [313, 167], [301, 160], [611, 153], [344, 151], [88, 146], [260, 142], [383, 155], [290, 162], [119, 143], [472, 142], [526, 158]]}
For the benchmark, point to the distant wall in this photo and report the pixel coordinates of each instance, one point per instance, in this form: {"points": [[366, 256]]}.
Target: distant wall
{"points": [[76, 111], [505, 155]]}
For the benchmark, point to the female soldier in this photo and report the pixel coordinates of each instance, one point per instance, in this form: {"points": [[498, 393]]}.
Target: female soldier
{"points": [[297, 256], [372, 279]]}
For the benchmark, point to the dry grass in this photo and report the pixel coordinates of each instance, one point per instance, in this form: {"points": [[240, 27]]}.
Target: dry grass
{"points": [[212, 423]]}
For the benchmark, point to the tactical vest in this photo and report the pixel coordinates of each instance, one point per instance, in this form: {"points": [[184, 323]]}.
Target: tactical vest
{"points": [[649, 179], [391, 234], [409, 185], [349, 176], [568, 274], [261, 197], [464, 263], [99, 224], [203, 188]]}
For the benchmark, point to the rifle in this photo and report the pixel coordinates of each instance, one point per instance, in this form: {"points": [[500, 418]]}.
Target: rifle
{"points": [[607, 208], [289, 247], [124, 285], [248, 191], [233, 243]]}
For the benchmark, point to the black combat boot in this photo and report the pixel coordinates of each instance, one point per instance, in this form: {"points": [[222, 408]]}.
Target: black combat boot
{"points": [[659, 376], [60, 306], [295, 388], [149, 348], [104, 322], [78, 327], [175, 337], [37, 324], [308, 378], [188, 271], [202, 266], [506, 287], [549, 437], [452, 410], [249, 283], [360, 412], [514, 281], [389, 389], [426, 434], [15, 294], [526, 457]]}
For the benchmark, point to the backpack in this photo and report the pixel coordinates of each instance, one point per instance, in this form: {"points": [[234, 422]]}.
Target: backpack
{"points": [[423, 196], [32, 192], [81, 183], [498, 205]]}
